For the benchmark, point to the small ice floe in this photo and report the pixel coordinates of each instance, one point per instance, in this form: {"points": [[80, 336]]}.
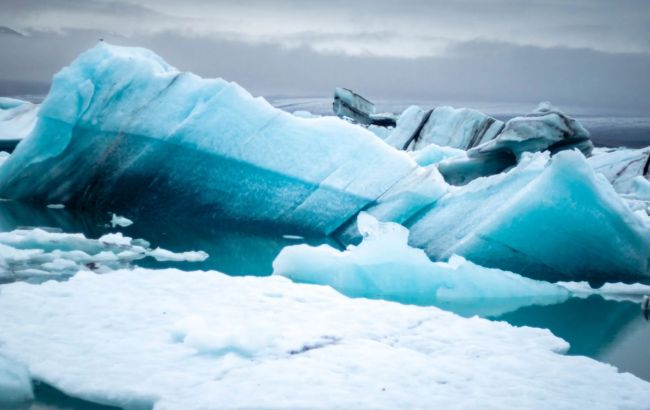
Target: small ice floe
{"points": [[634, 292], [56, 206], [117, 220], [35, 254], [15, 383], [293, 237]]}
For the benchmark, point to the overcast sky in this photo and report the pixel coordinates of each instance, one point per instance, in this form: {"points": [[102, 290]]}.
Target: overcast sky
{"points": [[583, 52]]}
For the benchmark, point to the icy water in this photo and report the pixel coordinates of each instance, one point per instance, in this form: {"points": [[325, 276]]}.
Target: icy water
{"points": [[615, 332]]}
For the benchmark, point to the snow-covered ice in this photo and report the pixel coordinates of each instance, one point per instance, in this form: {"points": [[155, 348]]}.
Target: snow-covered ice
{"points": [[384, 266], [199, 340]]}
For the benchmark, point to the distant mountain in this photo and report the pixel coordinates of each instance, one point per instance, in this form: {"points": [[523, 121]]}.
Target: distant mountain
{"points": [[4, 30]]}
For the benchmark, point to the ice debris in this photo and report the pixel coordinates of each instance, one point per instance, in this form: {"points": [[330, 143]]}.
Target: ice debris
{"points": [[117, 220], [384, 266], [169, 339], [36, 254]]}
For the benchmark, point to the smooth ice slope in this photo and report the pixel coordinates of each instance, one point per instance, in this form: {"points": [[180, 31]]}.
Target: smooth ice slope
{"points": [[384, 266], [203, 340], [122, 130], [15, 384], [551, 219]]}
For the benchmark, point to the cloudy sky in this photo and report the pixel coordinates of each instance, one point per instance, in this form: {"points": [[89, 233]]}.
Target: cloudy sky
{"points": [[592, 53]]}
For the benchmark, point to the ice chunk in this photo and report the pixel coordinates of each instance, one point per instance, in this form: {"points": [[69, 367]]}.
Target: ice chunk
{"points": [[123, 131], [348, 104], [462, 128], [117, 220], [552, 220], [194, 340], [610, 291], [17, 119], [546, 128], [15, 384], [36, 254], [384, 266], [433, 154], [621, 166]]}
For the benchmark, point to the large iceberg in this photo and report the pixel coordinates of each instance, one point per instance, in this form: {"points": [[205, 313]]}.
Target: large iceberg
{"points": [[121, 129], [167, 339], [384, 266]]}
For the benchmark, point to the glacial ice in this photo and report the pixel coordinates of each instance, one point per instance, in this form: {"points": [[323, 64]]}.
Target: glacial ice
{"points": [[193, 340], [15, 384], [349, 105], [546, 128], [384, 266], [553, 219], [461, 128], [611, 291], [36, 254], [121, 130], [17, 119], [621, 166]]}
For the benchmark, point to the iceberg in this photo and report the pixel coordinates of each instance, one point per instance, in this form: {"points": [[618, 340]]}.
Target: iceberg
{"points": [[17, 119], [121, 130], [461, 128], [167, 339], [547, 218], [622, 167], [384, 266], [350, 105], [546, 128]]}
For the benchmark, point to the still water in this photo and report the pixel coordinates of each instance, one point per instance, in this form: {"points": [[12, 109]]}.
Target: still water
{"points": [[611, 331]]}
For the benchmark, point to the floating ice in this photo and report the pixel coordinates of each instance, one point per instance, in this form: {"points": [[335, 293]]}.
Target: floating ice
{"points": [[550, 219], [613, 291], [121, 130], [348, 104], [117, 220], [37, 254], [546, 128], [15, 384], [17, 119], [384, 266], [621, 166], [434, 154], [196, 340], [458, 128]]}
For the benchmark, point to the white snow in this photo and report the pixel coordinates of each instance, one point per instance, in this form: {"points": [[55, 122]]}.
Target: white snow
{"points": [[199, 340]]}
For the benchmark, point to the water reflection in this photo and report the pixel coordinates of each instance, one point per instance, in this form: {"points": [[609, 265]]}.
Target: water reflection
{"points": [[614, 332]]}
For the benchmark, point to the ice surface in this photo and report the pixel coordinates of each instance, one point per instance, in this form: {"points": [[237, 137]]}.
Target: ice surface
{"points": [[546, 128], [434, 154], [15, 384], [384, 266], [123, 131], [36, 254], [197, 340], [551, 219], [621, 166], [461, 128]]}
